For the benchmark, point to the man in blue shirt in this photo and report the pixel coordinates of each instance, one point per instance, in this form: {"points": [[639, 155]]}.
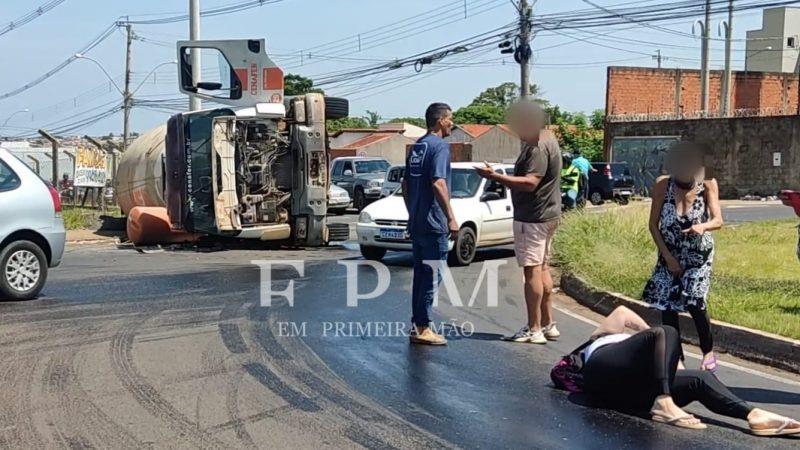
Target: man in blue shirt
{"points": [[426, 191], [585, 167]]}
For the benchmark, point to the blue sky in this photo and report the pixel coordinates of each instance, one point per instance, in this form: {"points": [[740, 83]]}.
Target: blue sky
{"points": [[569, 66]]}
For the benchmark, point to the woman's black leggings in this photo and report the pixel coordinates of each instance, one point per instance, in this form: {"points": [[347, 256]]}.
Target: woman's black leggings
{"points": [[632, 373], [701, 322]]}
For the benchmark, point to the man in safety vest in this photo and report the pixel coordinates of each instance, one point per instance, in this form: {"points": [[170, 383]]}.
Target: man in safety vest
{"points": [[570, 182]]}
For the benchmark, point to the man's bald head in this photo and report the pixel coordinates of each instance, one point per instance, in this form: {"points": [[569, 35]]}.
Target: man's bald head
{"points": [[527, 119]]}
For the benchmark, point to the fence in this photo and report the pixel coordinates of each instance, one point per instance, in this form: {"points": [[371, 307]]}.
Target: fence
{"points": [[650, 117]]}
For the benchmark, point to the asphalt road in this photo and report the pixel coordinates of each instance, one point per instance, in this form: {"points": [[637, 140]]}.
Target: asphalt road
{"points": [[173, 349]]}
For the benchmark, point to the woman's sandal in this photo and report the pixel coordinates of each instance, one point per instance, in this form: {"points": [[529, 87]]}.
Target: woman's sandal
{"points": [[680, 421], [782, 430], [709, 365]]}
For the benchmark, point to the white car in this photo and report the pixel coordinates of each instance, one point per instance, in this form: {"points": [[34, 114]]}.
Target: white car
{"points": [[338, 200], [482, 208], [394, 176]]}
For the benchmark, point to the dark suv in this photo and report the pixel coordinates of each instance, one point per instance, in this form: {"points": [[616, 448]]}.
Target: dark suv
{"points": [[612, 181], [361, 177]]}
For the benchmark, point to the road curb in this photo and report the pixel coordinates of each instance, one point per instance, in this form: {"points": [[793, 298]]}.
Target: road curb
{"points": [[757, 346]]}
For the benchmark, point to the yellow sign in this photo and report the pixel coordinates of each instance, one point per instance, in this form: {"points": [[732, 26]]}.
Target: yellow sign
{"points": [[90, 168]]}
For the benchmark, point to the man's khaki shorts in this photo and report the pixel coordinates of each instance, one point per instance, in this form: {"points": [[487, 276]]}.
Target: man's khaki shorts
{"points": [[533, 242]]}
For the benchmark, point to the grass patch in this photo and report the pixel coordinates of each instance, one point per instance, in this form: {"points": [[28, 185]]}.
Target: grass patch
{"points": [[756, 280], [79, 218]]}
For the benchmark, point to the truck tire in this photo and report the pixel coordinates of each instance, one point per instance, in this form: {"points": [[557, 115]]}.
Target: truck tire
{"points": [[359, 200], [336, 108], [596, 198], [23, 271]]}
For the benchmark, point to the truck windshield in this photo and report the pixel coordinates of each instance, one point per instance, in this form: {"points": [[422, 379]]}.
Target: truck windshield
{"points": [[375, 166]]}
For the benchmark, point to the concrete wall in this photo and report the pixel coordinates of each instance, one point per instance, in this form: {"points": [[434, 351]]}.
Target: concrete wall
{"points": [[392, 149], [496, 145], [767, 49], [676, 92], [743, 149], [458, 135]]}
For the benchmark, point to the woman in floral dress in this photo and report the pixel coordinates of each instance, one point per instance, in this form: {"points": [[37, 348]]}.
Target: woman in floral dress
{"points": [[684, 211]]}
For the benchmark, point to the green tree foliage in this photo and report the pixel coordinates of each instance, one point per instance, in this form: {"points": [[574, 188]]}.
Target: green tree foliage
{"points": [[373, 118], [294, 84], [598, 119], [333, 126], [503, 95], [417, 121], [483, 114]]}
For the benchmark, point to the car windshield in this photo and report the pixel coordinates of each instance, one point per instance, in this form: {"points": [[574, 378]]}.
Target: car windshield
{"points": [[464, 183], [374, 166]]}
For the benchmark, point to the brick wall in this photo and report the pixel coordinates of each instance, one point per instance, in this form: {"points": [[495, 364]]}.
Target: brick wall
{"points": [[641, 90], [742, 149]]}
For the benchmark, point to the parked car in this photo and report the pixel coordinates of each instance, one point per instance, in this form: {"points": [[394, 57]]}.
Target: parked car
{"points": [[32, 232], [338, 200], [482, 208], [612, 181], [394, 176], [361, 177]]}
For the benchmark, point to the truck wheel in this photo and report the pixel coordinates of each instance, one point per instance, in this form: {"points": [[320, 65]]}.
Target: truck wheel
{"points": [[463, 251], [623, 200], [359, 200], [23, 271], [336, 108], [373, 253], [596, 198]]}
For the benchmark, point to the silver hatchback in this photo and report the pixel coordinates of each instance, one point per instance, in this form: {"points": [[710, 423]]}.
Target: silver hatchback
{"points": [[32, 232]]}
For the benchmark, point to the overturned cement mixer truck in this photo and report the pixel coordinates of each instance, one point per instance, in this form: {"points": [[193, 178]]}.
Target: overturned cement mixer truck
{"points": [[257, 169]]}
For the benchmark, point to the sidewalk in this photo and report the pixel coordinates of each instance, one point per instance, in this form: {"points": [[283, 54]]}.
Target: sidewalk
{"points": [[77, 237]]}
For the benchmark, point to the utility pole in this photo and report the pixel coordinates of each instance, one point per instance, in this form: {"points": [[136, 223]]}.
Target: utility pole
{"points": [[725, 101], [54, 145], [523, 55], [657, 57], [704, 63], [194, 34], [126, 94]]}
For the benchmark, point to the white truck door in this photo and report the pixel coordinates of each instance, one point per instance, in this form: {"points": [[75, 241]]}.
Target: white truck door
{"points": [[235, 72]]}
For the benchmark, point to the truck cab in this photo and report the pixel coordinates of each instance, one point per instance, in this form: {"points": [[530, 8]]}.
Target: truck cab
{"points": [[257, 165]]}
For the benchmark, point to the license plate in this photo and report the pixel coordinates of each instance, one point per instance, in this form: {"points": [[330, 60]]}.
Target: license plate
{"points": [[392, 234], [625, 193]]}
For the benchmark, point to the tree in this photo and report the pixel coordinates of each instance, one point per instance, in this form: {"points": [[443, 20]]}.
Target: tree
{"points": [[417, 121], [598, 119], [334, 126], [483, 114], [294, 84], [503, 95], [373, 118]]}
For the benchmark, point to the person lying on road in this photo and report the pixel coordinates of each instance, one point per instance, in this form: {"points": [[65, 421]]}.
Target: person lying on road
{"points": [[641, 371]]}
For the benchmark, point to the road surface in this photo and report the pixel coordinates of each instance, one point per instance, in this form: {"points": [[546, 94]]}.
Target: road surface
{"points": [[173, 349]]}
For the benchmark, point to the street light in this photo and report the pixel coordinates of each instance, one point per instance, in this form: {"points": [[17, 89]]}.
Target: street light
{"points": [[82, 56], [14, 114], [174, 61]]}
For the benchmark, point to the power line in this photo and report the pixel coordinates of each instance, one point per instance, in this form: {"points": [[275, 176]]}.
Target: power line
{"points": [[218, 11], [30, 16]]}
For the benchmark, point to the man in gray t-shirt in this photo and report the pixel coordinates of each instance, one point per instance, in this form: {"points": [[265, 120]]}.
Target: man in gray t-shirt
{"points": [[536, 195]]}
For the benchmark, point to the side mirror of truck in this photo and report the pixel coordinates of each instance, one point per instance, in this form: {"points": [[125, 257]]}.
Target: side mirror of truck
{"points": [[348, 173], [490, 196]]}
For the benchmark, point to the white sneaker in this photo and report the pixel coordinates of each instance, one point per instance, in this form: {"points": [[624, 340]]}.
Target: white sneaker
{"points": [[551, 332], [527, 336]]}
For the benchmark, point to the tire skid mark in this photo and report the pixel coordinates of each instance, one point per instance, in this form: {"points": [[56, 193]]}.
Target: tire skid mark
{"points": [[232, 405], [232, 338], [266, 377], [15, 398], [146, 395], [342, 397]]}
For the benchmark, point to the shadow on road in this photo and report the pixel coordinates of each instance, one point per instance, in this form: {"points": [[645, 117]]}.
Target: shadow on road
{"points": [[760, 395]]}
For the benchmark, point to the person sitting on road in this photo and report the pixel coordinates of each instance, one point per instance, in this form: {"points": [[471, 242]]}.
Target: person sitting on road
{"points": [[638, 371], [570, 179]]}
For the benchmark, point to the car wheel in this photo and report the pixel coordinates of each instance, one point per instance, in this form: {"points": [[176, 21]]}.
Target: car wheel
{"points": [[359, 200], [373, 253], [596, 198], [463, 251], [336, 108], [24, 270]]}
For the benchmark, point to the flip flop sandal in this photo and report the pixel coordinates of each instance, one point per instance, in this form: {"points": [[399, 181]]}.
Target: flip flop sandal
{"points": [[710, 365], [782, 430], [680, 421]]}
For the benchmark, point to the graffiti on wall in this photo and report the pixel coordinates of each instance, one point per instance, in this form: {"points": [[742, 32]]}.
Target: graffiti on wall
{"points": [[645, 158]]}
